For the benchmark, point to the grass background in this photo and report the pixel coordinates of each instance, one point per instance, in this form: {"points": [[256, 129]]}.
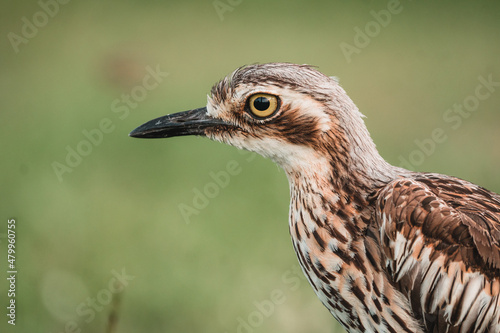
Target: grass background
{"points": [[119, 208]]}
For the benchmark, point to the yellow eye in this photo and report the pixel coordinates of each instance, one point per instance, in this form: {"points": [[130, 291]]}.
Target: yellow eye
{"points": [[263, 105]]}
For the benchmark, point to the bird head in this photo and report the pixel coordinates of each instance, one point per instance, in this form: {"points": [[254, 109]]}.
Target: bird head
{"points": [[293, 114]]}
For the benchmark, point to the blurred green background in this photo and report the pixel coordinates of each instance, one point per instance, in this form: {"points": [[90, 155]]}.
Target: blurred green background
{"points": [[229, 266]]}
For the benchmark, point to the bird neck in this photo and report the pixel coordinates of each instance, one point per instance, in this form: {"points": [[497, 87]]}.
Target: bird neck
{"points": [[334, 185], [320, 200]]}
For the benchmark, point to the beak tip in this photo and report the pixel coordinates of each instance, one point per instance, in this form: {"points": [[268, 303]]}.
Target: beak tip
{"points": [[134, 134]]}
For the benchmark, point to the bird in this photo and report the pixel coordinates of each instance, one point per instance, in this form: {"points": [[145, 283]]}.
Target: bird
{"points": [[384, 248]]}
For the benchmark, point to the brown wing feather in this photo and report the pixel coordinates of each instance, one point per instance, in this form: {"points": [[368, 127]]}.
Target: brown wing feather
{"points": [[460, 218], [479, 212], [441, 239]]}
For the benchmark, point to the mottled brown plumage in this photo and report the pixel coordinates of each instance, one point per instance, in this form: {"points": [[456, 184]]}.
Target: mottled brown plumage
{"points": [[385, 249]]}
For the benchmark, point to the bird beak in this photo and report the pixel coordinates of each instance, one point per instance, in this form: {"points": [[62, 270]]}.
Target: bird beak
{"points": [[192, 122]]}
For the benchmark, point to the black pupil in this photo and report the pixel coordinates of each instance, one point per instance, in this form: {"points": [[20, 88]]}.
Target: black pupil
{"points": [[261, 103]]}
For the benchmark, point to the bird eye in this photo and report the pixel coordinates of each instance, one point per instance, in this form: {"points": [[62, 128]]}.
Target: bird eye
{"points": [[263, 105]]}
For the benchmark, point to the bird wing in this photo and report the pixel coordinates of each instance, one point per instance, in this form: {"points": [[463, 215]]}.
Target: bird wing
{"points": [[441, 239]]}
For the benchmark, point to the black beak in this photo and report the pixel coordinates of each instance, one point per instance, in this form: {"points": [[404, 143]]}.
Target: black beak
{"points": [[192, 122]]}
